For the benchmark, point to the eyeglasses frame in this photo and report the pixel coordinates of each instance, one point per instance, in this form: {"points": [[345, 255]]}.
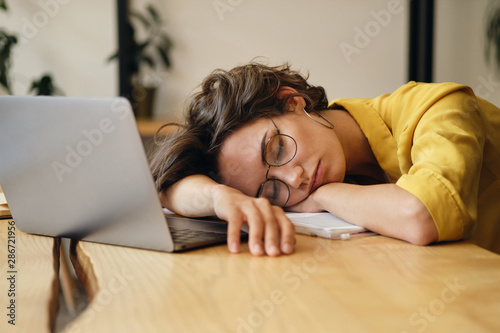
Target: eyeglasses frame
{"points": [[278, 133]]}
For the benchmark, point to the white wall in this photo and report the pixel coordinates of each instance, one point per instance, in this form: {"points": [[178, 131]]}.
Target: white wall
{"points": [[74, 37], [459, 47], [71, 39], [211, 34]]}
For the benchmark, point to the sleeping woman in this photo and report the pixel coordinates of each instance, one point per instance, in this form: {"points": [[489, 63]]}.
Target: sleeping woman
{"points": [[421, 164]]}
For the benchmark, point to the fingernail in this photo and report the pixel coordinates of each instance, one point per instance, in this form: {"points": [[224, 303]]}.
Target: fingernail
{"points": [[257, 249], [287, 248], [273, 250], [233, 247]]}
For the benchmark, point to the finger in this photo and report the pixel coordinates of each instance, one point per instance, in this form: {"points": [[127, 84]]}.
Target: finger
{"points": [[233, 232], [256, 231], [287, 232], [271, 229]]}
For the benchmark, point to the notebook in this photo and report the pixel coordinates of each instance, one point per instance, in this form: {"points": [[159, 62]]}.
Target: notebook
{"points": [[4, 208], [76, 168], [325, 225]]}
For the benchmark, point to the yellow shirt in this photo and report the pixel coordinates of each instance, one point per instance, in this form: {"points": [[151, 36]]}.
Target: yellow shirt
{"points": [[441, 143]]}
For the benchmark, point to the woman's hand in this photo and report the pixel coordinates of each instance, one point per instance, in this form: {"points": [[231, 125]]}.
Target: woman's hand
{"points": [[265, 222]]}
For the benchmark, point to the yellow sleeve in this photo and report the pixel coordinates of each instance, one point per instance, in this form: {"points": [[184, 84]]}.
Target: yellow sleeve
{"points": [[440, 139]]}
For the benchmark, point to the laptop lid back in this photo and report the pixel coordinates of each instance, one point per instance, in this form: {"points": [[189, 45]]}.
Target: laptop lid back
{"points": [[76, 167]]}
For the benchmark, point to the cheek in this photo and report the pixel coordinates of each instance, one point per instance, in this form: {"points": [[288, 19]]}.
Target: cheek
{"points": [[334, 162], [241, 174], [296, 196]]}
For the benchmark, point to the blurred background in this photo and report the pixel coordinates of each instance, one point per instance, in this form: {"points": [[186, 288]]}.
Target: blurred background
{"points": [[353, 48]]}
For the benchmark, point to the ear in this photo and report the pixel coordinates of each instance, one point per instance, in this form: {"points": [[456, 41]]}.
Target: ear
{"points": [[297, 101]]}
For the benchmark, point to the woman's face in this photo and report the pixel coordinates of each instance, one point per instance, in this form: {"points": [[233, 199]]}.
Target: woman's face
{"points": [[319, 159]]}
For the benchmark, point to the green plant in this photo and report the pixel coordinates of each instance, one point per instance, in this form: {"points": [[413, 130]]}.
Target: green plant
{"points": [[492, 44], [154, 47], [45, 86], [7, 42]]}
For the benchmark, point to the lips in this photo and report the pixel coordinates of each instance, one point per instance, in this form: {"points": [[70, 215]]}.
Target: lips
{"points": [[317, 178]]}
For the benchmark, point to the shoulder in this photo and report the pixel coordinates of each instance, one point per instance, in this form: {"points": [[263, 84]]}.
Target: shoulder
{"points": [[410, 100], [410, 92]]}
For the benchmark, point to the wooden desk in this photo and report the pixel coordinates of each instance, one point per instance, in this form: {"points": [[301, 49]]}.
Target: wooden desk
{"points": [[148, 128], [31, 283], [370, 284]]}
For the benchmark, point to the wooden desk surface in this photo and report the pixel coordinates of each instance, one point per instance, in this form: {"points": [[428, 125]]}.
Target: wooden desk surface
{"points": [[370, 284], [30, 286]]}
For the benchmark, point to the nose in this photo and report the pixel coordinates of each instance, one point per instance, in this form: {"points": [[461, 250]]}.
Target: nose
{"points": [[292, 175]]}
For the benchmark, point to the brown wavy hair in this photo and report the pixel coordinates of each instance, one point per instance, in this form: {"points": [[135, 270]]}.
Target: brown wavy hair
{"points": [[226, 101]]}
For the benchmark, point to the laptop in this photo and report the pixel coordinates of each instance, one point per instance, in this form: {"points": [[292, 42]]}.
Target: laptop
{"points": [[77, 168]]}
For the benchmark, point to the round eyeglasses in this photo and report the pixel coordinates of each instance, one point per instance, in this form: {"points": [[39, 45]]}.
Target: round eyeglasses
{"points": [[279, 150]]}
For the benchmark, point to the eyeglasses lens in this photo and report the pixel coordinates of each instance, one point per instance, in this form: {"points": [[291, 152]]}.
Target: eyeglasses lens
{"points": [[275, 191], [280, 150]]}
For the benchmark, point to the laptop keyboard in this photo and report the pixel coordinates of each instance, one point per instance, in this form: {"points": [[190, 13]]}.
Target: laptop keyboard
{"points": [[194, 236]]}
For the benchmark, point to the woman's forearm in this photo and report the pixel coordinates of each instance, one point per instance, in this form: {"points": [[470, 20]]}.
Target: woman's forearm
{"points": [[191, 196], [386, 209]]}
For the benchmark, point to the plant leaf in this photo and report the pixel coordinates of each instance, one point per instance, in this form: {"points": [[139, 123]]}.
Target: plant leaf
{"points": [[164, 57], [4, 81], [140, 47], [44, 86], [145, 22], [167, 42], [154, 14], [148, 60], [492, 44], [112, 57], [7, 41]]}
